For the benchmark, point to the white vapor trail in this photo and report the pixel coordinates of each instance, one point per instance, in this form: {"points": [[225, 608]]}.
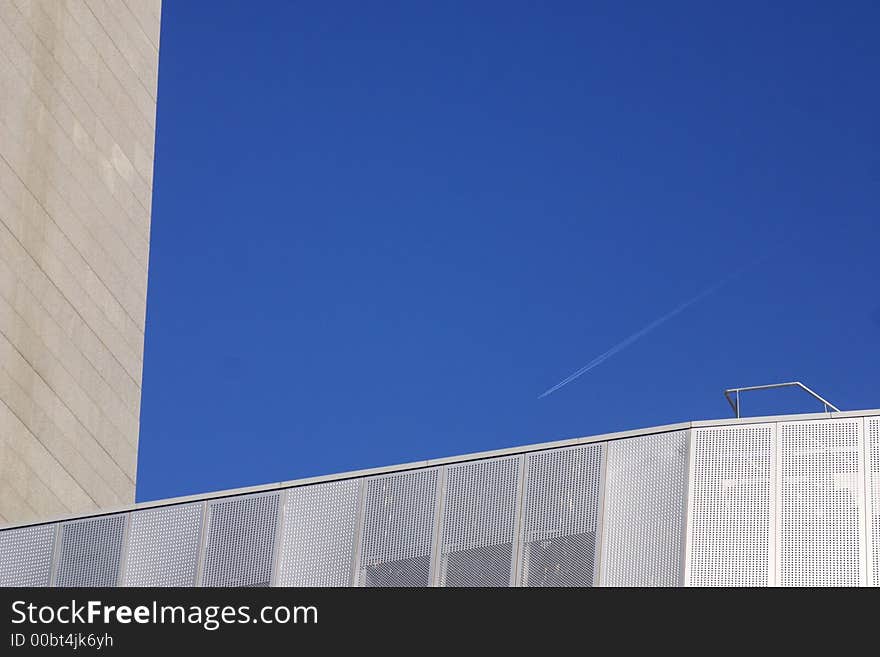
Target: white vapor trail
{"points": [[620, 346]]}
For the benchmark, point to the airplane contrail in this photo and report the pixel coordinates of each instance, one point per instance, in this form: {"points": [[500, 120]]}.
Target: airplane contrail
{"points": [[620, 346]]}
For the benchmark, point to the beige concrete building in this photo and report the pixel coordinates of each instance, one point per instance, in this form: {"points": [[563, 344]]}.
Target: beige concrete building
{"points": [[78, 82]]}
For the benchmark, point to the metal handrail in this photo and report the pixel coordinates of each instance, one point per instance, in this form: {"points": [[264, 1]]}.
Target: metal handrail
{"points": [[735, 405]]}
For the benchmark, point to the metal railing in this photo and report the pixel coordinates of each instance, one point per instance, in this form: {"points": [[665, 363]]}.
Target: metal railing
{"points": [[735, 405]]}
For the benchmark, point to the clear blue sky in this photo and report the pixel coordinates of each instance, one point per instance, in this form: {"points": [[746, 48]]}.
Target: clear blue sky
{"points": [[381, 230]]}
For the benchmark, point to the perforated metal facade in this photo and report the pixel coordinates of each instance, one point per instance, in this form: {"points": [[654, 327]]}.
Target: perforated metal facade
{"points": [[241, 540], [872, 437], [821, 503], [781, 502], [26, 556], [318, 535], [90, 552], [730, 500], [163, 546], [479, 517], [561, 517], [398, 529], [645, 509]]}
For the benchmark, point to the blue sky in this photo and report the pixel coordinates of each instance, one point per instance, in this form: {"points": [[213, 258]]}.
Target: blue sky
{"points": [[381, 230]]}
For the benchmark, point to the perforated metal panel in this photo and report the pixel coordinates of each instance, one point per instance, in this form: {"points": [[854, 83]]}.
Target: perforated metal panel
{"points": [[560, 516], [241, 538], [398, 527], [479, 523], [820, 513], [645, 506], [872, 426], [90, 552], [26, 556], [318, 533], [793, 503], [731, 506], [163, 546]]}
